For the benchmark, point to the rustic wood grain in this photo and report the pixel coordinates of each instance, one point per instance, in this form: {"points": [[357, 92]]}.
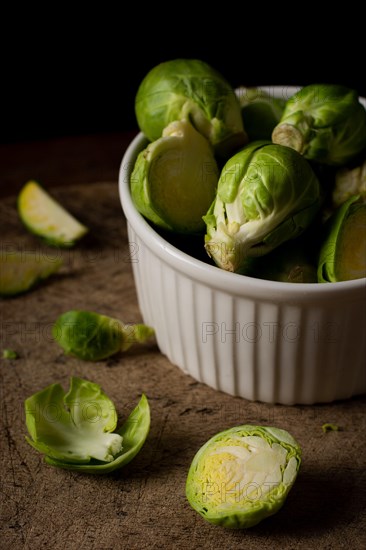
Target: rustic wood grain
{"points": [[143, 505]]}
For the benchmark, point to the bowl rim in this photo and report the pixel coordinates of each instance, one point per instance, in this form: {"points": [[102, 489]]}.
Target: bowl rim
{"points": [[212, 275]]}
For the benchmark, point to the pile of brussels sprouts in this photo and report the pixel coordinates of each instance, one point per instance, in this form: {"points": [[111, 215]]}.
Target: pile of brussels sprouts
{"points": [[273, 188]]}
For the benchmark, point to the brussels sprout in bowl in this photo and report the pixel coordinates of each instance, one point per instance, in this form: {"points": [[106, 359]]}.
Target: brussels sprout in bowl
{"points": [[264, 340]]}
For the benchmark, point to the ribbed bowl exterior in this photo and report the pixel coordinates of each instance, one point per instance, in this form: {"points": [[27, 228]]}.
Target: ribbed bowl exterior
{"points": [[260, 340], [271, 350]]}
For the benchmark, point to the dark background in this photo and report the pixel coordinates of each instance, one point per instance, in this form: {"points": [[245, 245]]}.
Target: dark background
{"points": [[67, 74]]}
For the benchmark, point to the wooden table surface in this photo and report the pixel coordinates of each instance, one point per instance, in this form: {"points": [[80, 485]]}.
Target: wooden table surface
{"points": [[142, 505]]}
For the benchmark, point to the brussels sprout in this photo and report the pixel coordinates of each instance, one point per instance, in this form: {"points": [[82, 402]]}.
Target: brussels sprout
{"points": [[243, 475], [190, 89], [267, 194], [348, 182], [343, 252], [175, 178], [46, 218], [75, 431], [22, 271], [323, 122], [92, 337], [260, 111]]}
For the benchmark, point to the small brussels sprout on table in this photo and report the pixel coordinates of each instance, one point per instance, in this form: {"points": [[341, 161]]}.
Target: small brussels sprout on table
{"points": [[93, 337], [325, 123], [174, 179], [343, 251], [243, 475], [76, 430], [267, 194], [190, 89]]}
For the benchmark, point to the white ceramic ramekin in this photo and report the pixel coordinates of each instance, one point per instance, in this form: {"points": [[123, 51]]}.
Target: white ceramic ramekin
{"points": [[261, 340]]}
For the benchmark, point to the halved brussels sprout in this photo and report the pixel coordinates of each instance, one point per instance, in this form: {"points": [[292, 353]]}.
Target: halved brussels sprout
{"points": [[260, 111], [47, 218], [190, 89], [243, 475], [174, 179], [325, 123], [267, 194], [21, 271], [343, 251]]}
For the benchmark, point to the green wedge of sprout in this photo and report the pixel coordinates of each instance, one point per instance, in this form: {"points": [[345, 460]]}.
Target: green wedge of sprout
{"points": [[42, 215], [47, 218], [22, 271]]}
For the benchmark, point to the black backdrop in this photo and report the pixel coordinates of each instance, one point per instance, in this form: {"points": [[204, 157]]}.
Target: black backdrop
{"points": [[69, 74]]}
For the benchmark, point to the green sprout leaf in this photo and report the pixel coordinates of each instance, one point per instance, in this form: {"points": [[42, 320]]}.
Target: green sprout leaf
{"points": [[75, 430]]}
